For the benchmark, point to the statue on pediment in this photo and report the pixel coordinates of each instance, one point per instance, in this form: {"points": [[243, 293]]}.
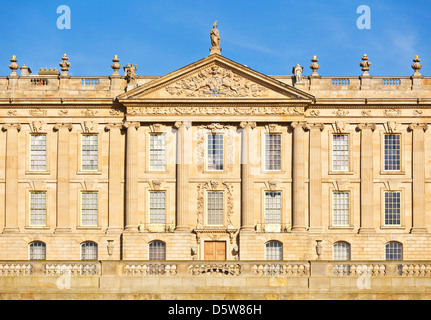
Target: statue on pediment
{"points": [[297, 71], [215, 36]]}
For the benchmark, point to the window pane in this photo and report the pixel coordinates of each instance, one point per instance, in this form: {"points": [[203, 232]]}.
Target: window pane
{"points": [[340, 152], [89, 151], [340, 208], [274, 250], [394, 251], [38, 152], [341, 251], [37, 251], [157, 207], [393, 152], [272, 207], [157, 250], [158, 152], [392, 208], [38, 208], [215, 209], [89, 209], [273, 152], [215, 152], [89, 251]]}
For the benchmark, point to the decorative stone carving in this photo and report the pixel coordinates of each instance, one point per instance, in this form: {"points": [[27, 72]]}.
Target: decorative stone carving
{"points": [[37, 112], [89, 112], [365, 65], [340, 112], [227, 187], [64, 66], [416, 66], [58, 126], [221, 110], [363, 126], [314, 113], [14, 66], [418, 113], [12, 113], [366, 113], [89, 126], [63, 112], [8, 126], [414, 126], [130, 75], [340, 126], [392, 126], [314, 66], [273, 128], [36, 126], [48, 72], [116, 66], [297, 72], [216, 81], [156, 185], [215, 39], [392, 112], [199, 153], [157, 128]]}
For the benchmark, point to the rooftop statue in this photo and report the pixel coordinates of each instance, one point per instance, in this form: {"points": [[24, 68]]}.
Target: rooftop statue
{"points": [[215, 36]]}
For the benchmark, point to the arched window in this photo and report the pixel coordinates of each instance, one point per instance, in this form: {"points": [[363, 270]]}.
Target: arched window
{"points": [[157, 250], [394, 251], [274, 250], [89, 251], [37, 251], [341, 251]]}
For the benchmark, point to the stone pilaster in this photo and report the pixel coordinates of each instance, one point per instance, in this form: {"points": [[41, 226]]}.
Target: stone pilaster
{"points": [[367, 194], [131, 196], [63, 177], [11, 200], [315, 184], [115, 192], [182, 178], [299, 221], [247, 223], [418, 175]]}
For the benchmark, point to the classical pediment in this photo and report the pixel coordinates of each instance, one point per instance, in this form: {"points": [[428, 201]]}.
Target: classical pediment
{"points": [[215, 77]]}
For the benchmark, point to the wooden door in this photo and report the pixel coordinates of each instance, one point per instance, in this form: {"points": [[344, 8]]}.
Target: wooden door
{"points": [[215, 250]]}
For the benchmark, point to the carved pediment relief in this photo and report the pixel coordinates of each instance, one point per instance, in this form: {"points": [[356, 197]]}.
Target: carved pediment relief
{"points": [[215, 77]]}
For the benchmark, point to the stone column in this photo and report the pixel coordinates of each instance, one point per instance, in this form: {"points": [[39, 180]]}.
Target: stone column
{"points": [[11, 200], [315, 184], [115, 198], [182, 178], [418, 175], [63, 177], [298, 178], [131, 196], [367, 193], [247, 223]]}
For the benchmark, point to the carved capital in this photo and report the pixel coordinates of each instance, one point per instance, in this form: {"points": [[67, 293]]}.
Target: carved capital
{"points": [[318, 126], [422, 126], [248, 125], [365, 126], [298, 124], [111, 126], [8, 126], [131, 124], [67, 126], [183, 124]]}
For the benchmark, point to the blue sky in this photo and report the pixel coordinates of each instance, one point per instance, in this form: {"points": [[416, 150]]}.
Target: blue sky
{"points": [[269, 36]]}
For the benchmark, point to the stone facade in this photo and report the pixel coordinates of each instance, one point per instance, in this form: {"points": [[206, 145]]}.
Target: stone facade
{"points": [[214, 95]]}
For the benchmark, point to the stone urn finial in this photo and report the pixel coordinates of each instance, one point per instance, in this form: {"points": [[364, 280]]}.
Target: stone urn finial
{"points": [[314, 66], [365, 64], [416, 66], [319, 248], [65, 65], [116, 66], [14, 66]]}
